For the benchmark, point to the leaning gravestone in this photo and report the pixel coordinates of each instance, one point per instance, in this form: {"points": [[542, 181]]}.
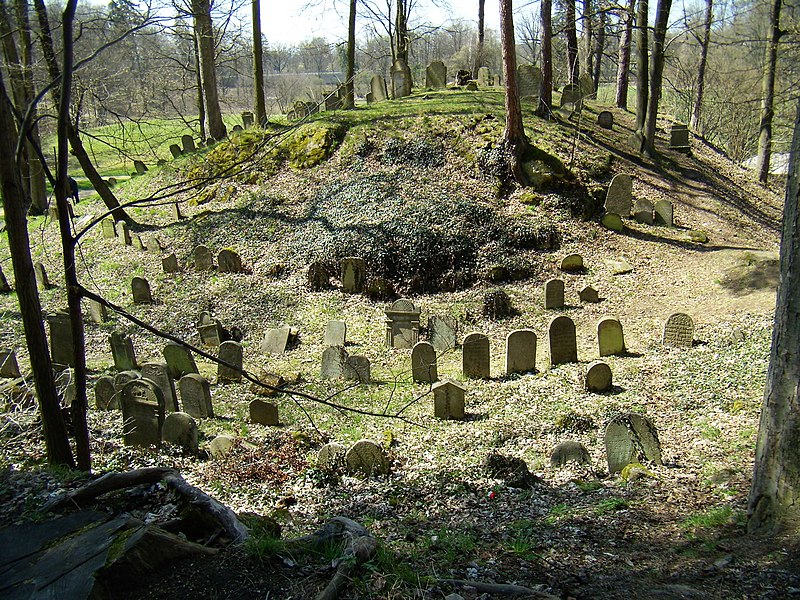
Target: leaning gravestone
{"points": [[401, 79], [153, 245], [598, 377], [105, 394], [436, 75], [378, 87], [229, 261], [142, 413], [448, 400], [138, 244], [42, 281], [179, 360], [61, 350], [122, 351], [475, 359], [679, 331], [263, 413], [612, 221], [175, 150], [210, 333], [609, 337], [140, 167], [663, 213], [203, 259], [187, 141], [140, 289], [221, 446], [423, 363], [275, 340], [606, 119], [402, 324], [231, 353], [521, 351], [572, 263], [629, 439], [176, 211], [170, 264], [529, 79], [619, 196], [181, 430], [334, 360], [563, 345], [443, 332], [9, 367], [354, 275], [554, 294], [331, 457], [196, 396], [357, 368], [124, 233], [109, 231], [336, 333], [367, 458], [567, 452], [97, 312], [643, 211], [589, 294], [158, 373]]}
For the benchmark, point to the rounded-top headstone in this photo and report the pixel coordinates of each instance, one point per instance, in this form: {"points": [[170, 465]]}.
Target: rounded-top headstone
{"points": [[610, 339], [679, 330], [569, 451], [619, 197], [105, 395], [423, 363], [367, 458], [563, 345], [475, 356], [331, 457], [612, 221], [606, 119], [598, 377], [221, 445], [572, 263], [181, 429]]}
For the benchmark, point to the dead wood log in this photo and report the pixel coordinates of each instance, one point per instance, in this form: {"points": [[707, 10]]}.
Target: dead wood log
{"points": [[502, 589]]}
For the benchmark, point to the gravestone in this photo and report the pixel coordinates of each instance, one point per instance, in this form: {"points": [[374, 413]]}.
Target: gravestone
{"points": [[61, 350], [663, 213], [367, 458], [140, 167], [123, 233], [610, 340], [589, 294], [679, 331], [370, 98], [443, 332], [401, 79], [619, 266], [586, 86], [529, 80], [181, 430], [142, 413], [631, 438], [598, 377], [448, 400], [521, 351], [402, 324], [554, 294], [105, 394], [153, 245], [196, 396], [4, 287], [9, 367], [332, 101], [571, 94], [205, 318], [170, 264], [423, 363], [120, 379], [203, 259], [563, 345], [229, 261], [140, 289], [109, 231], [484, 77], [606, 119], [354, 275], [317, 277], [570, 451], [436, 75], [274, 381], [42, 281], [210, 333], [377, 85], [572, 263], [275, 340], [231, 353], [643, 211], [158, 373], [175, 150], [221, 446], [357, 368], [336, 333], [334, 360], [264, 413], [247, 119], [475, 359], [122, 351], [179, 360], [175, 207], [331, 457], [187, 141], [462, 77], [619, 195], [137, 242], [612, 221], [97, 312], [679, 137]]}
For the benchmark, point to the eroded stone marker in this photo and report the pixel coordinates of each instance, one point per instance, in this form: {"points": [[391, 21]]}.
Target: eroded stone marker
{"points": [[179, 360], [606, 119], [203, 259], [598, 377], [276, 340], [158, 373], [629, 439], [231, 353], [140, 289], [679, 331], [619, 195], [610, 339], [436, 75], [475, 359], [563, 344], [9, 367], [572, 263], [142, 413], [402, 324], [331, 457], [196, 396], [336, 333], [122, 351], [569, 451], [554, 294], [354, 275], [228, 261], [365, 457], [443, 332], [448, 400], [106, 396], [180, 429], [664, 213], [589, 295], [61, 349], [423, 363], [169, 264], [263, 413], [521, 351]]}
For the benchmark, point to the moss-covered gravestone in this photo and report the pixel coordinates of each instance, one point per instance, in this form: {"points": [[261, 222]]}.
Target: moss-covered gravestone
{"points": [[598, 377], [180, 429], [563, 344], [569, 451], [365, 457], [520, 351], [196, 396], [631, 438]]}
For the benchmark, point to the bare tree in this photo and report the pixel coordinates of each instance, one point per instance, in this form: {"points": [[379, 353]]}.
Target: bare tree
{"points": [[350, 87], [481, 36], [588, 37], [624, 64], [768, 93], [656, 73], [258, 64], [599, 46], [545, 107], [701, 68], [642, 90], [204, 32], [514, 138], [573, 67]]}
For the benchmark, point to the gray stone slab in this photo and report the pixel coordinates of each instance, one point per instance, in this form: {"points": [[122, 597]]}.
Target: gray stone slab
{"points": [[589, 295], [610, 338], [357, 368], [264, 413], [598, 377], [106, 396], [61, 349], [275, 340], [158, 373], [475, 360], [400, 75], [631, 438], [378, 88], [436, 75], [619, 198], [9, 367], [196, 396], [448, 400], [664, 213], [567, 452], [521, 351], [231, 353], [643, 211], [140, 289], [97, 312], [606, 119], [122, 351], [336, 333], [180, 360], [169, 263], [203, 259], [443, 332], [365, 457], [678, 331], [228, 261], [142, 413], [554, 294], [334, 360], [423, 363], [180, 429], [331, 457], [108, 229], [354, 275]]}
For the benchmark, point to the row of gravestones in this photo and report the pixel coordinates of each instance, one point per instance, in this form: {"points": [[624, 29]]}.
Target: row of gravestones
{"points": [[619, 203], [120, 230]]}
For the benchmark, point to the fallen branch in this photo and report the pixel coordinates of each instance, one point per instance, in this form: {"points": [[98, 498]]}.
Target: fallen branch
{"points": [[503, 589]]}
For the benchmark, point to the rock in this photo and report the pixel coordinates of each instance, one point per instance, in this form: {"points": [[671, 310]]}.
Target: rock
{"points": [[221, 445], [692, 235], [509, 468], [612, 221], [619, 266], [569, 451]]}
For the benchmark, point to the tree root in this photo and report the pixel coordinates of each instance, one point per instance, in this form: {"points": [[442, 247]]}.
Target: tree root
{"points": [[502, 589]]}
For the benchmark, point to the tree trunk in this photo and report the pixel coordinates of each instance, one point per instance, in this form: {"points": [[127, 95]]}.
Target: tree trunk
{"points": [[514, 137], [775, 495], [350, 85], [656, 73], [588, 37], [642, 90], [401, 31], [768, 93], [481, 36], [599, 48], [258, 65], [573, 68], [701, 68], [624, 65], [201, 108], [58, 450], [544, 109], [201, 11]]}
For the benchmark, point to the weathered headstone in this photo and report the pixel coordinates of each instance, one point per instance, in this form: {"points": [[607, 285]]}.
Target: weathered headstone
{"points": [[123, 377], [109, 231], [180, 429], [529, 80], [122, 351], [187, 141], [563, 344], [571, 94], [572, 263], [336, 333], [643, 211], [275, 340], [97, 312], [610, 339], [629, 439], [318, 277], [586, 86], [138, 244], [520, 351], [203, 259], [636, 141], [589, 294], [331, 457], [423, 363], [124, 233], [367, 458], [377, 85], [231, 353], [4, 287], [175, 150], [140, 289], [8, 364], [264, 413], [448, 400], [619, 195], [475, 359], [484, 77], [196, 396], [598, 377], [42, 281], [402, 324], [140, 167], [142, 413], [619, 266], [567, 452], [334, 360], [436, 75], [175, 208], [443, 332], [105, 394], [554, 294], [61, 350], [606, 119], [247, 119], [153, 245], [354, 275], [679, 331], [401, 79], [210, 333], [229, 261], [274, 381], [357, 368], [370, 98], [679, 137], [612, 221], [663, 212], [170, 263], [158, 373], [221, 445]]}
